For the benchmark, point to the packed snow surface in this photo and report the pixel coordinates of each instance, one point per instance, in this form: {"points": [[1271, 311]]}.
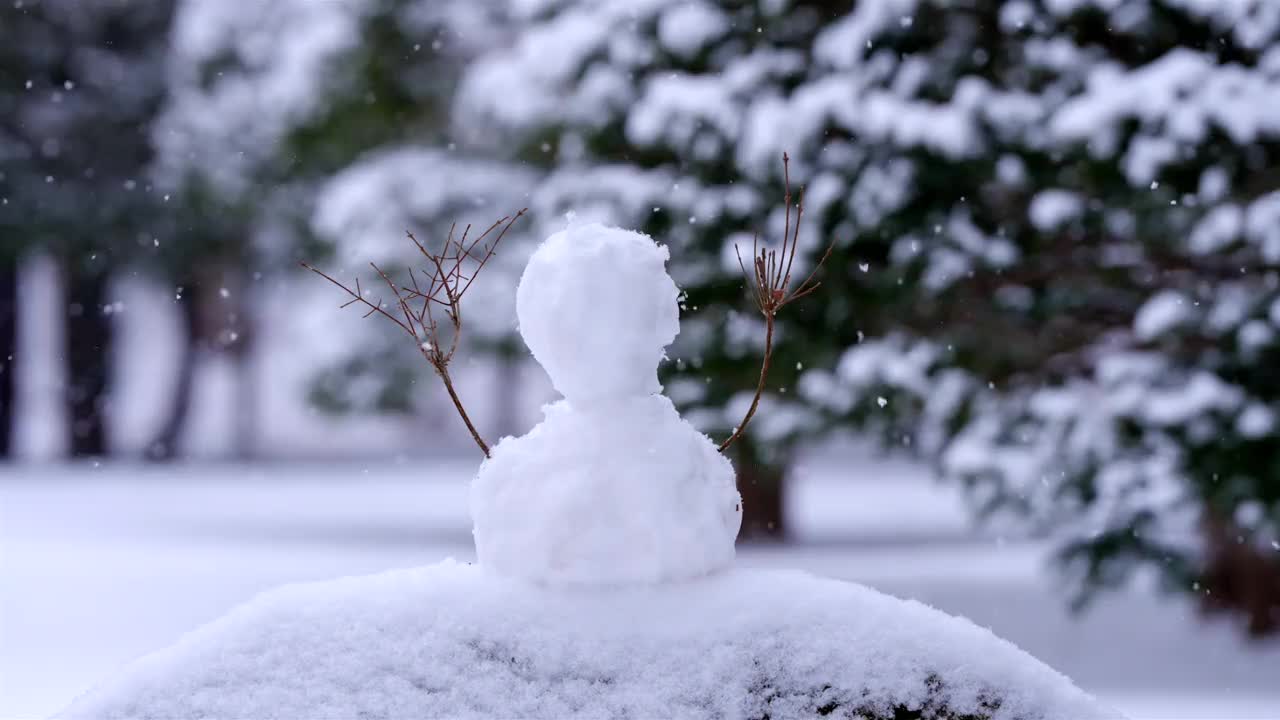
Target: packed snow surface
{"points": [[454, 640], [597, 308], [613, 487]]}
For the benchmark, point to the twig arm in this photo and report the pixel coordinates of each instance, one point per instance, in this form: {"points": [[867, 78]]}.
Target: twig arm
{"points": [[443, 372], [770, 281], [764, 375], [446, 284]]}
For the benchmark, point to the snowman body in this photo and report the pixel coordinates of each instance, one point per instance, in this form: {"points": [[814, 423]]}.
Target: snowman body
{"points": [[613, 487]]}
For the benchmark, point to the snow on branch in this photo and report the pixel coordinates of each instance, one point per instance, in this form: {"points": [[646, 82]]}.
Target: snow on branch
{"points": [[419, 305]]}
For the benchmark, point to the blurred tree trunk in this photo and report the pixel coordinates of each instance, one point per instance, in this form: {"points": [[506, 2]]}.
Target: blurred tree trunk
{"points": [[165, 445], [1239, 576], [8, 350], [88, 347], [761, 485]]}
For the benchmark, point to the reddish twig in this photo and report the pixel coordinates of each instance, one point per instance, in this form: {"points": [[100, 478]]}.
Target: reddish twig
{"points": [[769, 282], [446, 284]]}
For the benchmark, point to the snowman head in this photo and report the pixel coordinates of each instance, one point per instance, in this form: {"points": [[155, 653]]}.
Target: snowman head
{"points": [[597, 309]]}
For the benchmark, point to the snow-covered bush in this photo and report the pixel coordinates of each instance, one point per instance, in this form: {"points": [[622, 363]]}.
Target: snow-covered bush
{"points": [[1056, 230]]}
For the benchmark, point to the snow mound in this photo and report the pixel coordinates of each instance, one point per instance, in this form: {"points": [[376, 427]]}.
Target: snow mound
{"points": [[621, 493], [597, 309], [456, 641]]}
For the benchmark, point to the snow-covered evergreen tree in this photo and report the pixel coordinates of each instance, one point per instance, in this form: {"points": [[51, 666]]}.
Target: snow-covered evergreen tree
{"points": [[1057, 232], [298, 128], [79, 86]]}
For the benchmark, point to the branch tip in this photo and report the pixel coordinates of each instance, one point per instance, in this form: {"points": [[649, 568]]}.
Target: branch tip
{"points": [[770, 284], [446, 285]]}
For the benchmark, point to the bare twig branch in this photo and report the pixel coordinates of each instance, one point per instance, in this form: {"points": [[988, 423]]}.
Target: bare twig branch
{"points": [[446, 284], [769, 281], [357, 295]]}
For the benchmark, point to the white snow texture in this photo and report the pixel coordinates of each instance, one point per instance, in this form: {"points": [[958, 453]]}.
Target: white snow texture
{"points": [[458, 641], [613, 486]]}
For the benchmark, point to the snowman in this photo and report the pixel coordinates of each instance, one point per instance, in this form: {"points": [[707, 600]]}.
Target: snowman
{"points": [[613, 487]]}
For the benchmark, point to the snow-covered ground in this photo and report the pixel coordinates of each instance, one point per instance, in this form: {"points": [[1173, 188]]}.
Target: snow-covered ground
{"points": [[101, 564]]}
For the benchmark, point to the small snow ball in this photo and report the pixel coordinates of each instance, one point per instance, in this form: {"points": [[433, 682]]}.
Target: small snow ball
{"points": [[597, 309]]}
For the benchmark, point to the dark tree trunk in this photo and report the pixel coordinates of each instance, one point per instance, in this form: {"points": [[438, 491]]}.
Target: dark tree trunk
{"points": [[8, 351], [88, 346], [165, 445], [1239, 577], [762, 486]]}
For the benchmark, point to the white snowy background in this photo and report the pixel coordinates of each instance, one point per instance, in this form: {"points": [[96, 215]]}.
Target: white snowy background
{"points": [[102, 563]]}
